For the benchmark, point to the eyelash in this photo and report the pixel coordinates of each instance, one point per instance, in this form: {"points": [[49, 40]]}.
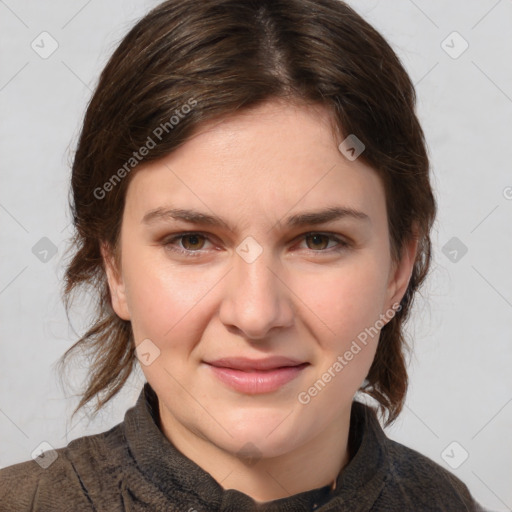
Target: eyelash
{"points": [[168, 243]]}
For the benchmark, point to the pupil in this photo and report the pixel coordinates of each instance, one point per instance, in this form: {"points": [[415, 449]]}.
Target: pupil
{"points": [[317, 239], [194, 239]]}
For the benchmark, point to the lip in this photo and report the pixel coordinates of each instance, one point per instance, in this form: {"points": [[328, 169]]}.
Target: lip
{"points": [[253, 376]]}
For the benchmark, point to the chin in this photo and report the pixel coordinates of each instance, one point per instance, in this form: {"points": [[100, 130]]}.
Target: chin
{"points": [[253, 449], [262, 434]]}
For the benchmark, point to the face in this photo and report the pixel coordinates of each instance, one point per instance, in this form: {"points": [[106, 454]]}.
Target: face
{"points": [[265, 280]]}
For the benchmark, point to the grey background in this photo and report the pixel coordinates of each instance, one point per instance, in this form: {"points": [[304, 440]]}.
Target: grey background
{"points": [[461, 331]]}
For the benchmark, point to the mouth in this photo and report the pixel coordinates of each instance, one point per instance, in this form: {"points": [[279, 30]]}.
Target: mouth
{"points": [[256, 376]]}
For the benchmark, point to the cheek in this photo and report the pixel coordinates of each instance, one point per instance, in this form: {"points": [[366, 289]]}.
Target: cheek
{"points": [[164, 300], [344, 300], [344, 306]]}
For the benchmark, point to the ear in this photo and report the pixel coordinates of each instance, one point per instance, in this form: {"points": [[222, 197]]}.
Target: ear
{"points": [[115, 284], [401, 272]]}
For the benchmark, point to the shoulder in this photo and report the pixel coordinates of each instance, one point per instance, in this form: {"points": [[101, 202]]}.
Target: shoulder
{"points": [[416, 482], [76, 473]]}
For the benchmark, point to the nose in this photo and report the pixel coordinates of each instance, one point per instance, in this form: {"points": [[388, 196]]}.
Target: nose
{"points": [[256, 297]]}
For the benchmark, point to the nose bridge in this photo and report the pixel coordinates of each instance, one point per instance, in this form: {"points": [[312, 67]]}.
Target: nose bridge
{"points": [[253, 271], [256, 297]]}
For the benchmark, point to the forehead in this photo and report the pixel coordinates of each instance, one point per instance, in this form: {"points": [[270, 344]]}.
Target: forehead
{"points": [[259, 164]]}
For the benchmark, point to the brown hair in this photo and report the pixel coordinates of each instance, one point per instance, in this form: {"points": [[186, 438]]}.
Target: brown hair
{"points": [[223, 56]]}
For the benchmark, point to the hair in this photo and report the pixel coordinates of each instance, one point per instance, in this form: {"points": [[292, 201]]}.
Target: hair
{"points": [[221, 57]]}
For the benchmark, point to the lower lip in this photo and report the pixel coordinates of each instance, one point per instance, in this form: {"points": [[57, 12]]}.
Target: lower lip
{"points": [[257, 382]]}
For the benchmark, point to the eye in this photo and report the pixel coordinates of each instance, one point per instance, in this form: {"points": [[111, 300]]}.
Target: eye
{"points": [[319, 241], [190, 243]]}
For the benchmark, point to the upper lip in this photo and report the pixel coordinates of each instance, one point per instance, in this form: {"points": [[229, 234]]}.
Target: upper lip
{"points": [[244, 363]]}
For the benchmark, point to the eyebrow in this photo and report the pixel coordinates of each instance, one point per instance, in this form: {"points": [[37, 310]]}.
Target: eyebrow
{"points": [[301, 219]]}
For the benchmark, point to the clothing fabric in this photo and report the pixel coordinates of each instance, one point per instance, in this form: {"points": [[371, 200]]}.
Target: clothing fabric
{"points": [[133, 467]]}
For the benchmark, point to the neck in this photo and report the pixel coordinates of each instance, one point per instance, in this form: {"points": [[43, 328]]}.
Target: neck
{"points": [[312, 465]]}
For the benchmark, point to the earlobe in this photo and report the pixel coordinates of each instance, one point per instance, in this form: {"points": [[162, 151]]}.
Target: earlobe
{"points": [[115, 283], [402, 271]]}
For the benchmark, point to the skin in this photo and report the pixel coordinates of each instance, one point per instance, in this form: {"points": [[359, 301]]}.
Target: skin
{"points": [[300, 297]]}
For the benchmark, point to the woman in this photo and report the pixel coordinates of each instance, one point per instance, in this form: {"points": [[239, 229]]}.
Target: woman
{"points": [[252, 207]]}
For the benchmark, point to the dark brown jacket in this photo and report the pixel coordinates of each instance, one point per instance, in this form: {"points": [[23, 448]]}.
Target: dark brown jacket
{"points": [[134, 467]]}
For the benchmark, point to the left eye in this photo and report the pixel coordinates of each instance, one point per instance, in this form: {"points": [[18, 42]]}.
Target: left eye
{"points": [[192, 240], [317, 239], [193, 243]]}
